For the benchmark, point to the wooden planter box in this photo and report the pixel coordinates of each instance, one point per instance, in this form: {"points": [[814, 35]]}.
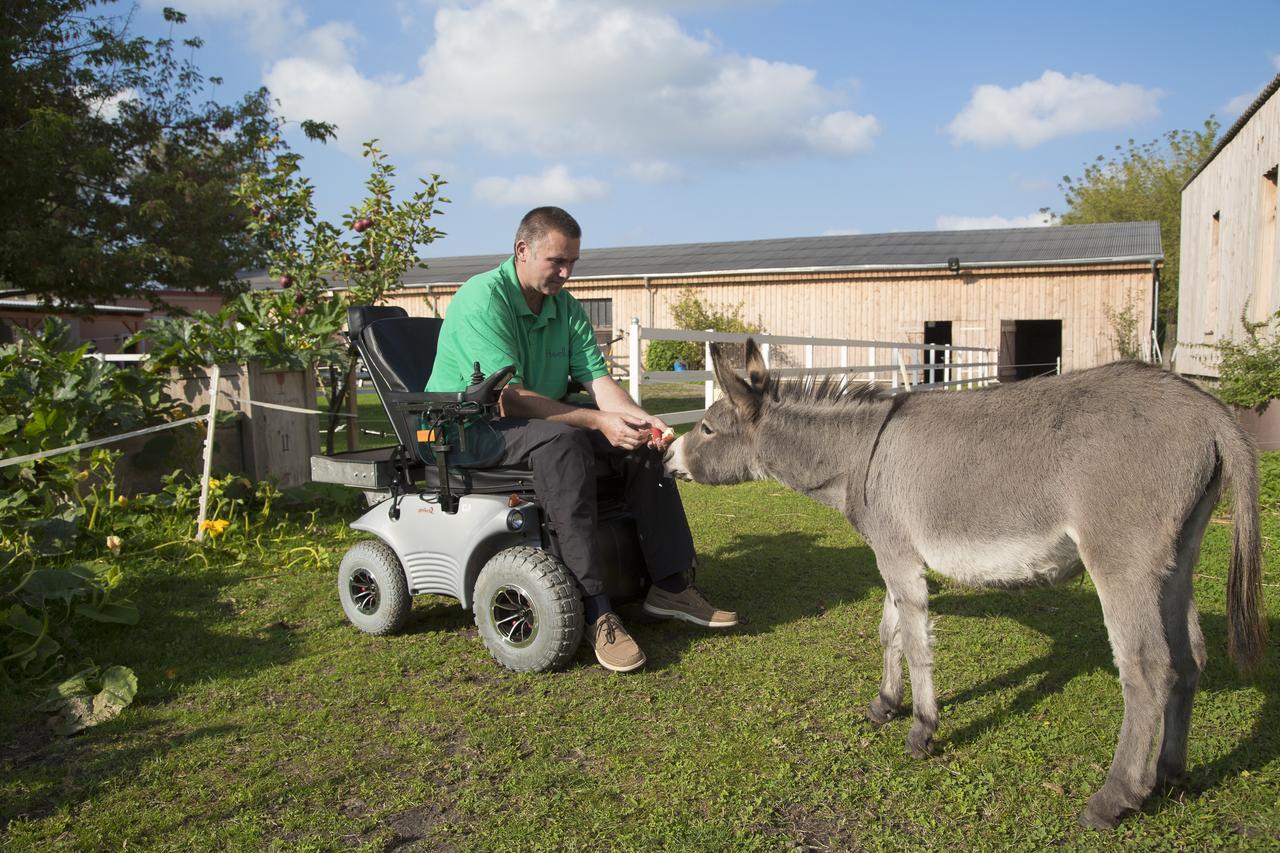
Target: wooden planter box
{"points": [[262, 443], [1264, 426]]}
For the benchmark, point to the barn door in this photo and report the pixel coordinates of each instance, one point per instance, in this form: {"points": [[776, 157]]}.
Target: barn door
{"points": [[1008, 357]]}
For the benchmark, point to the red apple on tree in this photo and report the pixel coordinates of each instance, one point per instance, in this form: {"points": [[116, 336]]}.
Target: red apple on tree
{"points": [[286, 280]]}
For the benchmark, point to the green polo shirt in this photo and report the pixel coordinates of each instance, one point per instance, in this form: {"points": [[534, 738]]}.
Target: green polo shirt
{"points": [[488, 321]]}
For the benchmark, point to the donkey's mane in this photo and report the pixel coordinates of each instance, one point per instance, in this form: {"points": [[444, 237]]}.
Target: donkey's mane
{"points": [[829, 391]]}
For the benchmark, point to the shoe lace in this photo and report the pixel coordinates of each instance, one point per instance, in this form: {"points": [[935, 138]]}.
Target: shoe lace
{"points": [[611, 626]]}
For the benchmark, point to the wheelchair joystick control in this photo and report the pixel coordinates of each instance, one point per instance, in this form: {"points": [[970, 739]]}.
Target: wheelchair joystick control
{"points": [[477, 375]]}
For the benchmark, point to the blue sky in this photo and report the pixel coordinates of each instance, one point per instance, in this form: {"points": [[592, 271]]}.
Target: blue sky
{"points": [[703, 120]]}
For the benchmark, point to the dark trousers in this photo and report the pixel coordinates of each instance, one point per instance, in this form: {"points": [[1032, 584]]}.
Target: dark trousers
{"points": [[563, 459]]}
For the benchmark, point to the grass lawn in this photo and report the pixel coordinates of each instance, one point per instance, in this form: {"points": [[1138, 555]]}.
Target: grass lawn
{"points": [[264, 720]]}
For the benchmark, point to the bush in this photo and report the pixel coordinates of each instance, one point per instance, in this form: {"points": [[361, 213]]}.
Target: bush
{"points": [[693, 314], [60, 514], [1249, 369]]}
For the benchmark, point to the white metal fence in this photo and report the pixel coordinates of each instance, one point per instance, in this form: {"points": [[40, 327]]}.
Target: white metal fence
{"points": [[924, 366]]}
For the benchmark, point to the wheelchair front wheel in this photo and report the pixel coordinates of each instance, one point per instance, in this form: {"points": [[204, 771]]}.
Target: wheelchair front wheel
{"points": [[528, 610], [372, 588]]}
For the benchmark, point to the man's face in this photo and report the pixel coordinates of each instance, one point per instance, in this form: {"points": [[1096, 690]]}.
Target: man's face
{"points": [[545, 266]]}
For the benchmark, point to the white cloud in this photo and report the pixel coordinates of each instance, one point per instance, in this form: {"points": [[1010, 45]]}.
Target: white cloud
{"points": [[109, 108], [974, 223], [1275, 60], [1237, 105], [1053, 106], [331, 43], [841, 232], [553, 186], [564, 78], [653, 171]]}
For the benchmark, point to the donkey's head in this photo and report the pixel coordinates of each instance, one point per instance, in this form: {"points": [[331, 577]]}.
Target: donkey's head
{"points": [[721, 448]]}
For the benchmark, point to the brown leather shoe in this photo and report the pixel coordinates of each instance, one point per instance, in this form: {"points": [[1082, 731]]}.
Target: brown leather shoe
{"points": [[613, 645], [688, 605]]}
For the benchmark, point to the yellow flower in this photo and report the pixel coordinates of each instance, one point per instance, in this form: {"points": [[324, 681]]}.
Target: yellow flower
{"points": [[122, 501], [216, 527], [82, 476], [114, 544]]}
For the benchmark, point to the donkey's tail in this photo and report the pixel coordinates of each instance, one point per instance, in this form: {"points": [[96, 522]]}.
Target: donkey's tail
{"points": [[1246, 630]]}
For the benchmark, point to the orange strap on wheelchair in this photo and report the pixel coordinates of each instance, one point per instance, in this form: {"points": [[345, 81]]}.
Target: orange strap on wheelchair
{"points": [[426, 435]]}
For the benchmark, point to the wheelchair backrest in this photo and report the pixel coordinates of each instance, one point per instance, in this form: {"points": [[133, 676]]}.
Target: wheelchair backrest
{"points": [[359, 316], [399, 352]]}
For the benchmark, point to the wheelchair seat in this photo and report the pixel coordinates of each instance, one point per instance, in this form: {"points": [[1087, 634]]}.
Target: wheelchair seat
{"points": [[399, 352]]}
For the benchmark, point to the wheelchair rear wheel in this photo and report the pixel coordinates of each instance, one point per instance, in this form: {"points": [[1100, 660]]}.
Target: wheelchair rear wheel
{"points": [[528, 610]]}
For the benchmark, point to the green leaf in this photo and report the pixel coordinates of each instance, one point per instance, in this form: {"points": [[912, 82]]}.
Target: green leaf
{"points": [[19, 619], [76, 707], [54, 536], [45, 585], [118, 612]]}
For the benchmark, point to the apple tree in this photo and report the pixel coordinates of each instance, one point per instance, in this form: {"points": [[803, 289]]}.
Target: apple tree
{"points": [[116, 173]]}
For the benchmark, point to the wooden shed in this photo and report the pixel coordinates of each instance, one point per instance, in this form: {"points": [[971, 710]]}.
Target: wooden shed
{"points": [[1230, 268], [1036, 294]]}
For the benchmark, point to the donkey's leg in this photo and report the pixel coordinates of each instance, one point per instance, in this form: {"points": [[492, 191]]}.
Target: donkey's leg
{"points": [[888, 702], [906, 582], [1186, 643], [1131, 609]]}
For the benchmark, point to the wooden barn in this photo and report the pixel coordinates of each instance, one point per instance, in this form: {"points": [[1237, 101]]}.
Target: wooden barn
{"points": [[1230, 267], [1041, 296]]}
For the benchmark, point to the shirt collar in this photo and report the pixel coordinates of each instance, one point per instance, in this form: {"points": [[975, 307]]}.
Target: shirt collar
{"points": [[516, 296]]}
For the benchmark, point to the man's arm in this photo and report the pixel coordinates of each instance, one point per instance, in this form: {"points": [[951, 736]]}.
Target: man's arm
{"points": [[628, 430]]}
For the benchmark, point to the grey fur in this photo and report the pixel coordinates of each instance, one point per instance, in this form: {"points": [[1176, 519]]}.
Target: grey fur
{"points": [[1113, 471]]}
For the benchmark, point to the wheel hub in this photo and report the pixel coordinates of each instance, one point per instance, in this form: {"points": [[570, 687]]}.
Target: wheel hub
{"points": [[364, 591], [514, 616]]}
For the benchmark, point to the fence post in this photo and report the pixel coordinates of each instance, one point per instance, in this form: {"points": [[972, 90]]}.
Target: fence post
{"points": [[1058, 366], [871, 363], [844, 362], [906, 379], [893, 374], [764, 353], [214, 377], [633, 359], [808, 362], [709, 394], [353, 409]]}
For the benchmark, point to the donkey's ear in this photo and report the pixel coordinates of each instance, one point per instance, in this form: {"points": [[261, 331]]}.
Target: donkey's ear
{"points": [[743, 397], [756, 371]]}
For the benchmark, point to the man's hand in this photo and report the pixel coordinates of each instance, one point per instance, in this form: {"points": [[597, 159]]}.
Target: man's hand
{"points": [[625, 431], [660, 435]]}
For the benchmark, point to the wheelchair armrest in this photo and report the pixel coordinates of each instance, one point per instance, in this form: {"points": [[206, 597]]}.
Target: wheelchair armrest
{"points": [[421, 400], [486, 393]]}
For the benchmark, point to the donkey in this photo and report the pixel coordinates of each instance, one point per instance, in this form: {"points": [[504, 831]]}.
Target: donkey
{"points": [[1113, 470]]}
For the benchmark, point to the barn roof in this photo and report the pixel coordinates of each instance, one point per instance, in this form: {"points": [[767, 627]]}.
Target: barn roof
{"points": [[1054, 245], [1263, 96]]}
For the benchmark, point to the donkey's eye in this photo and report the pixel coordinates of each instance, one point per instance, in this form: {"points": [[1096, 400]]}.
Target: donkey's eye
{"points": [[707, 430]]}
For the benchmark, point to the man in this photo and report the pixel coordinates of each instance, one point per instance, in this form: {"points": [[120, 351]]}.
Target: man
{"points": [[520, 314]]}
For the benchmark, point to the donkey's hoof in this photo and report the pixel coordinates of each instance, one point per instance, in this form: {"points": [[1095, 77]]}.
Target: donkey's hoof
{"points": [[1168, 777], [880, 712], [1089, 819], [919, 739], [919, 744], [1103, 812]]}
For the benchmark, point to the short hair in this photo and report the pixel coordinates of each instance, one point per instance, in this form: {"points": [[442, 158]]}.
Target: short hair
{"points": [[541, 221]]}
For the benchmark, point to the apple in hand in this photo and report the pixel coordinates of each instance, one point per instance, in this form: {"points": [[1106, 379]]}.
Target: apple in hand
{"points": [[660, 439]]}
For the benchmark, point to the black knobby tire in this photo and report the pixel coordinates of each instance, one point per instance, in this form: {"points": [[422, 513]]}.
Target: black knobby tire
{"points": [[528, 610], [372, 588]]}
